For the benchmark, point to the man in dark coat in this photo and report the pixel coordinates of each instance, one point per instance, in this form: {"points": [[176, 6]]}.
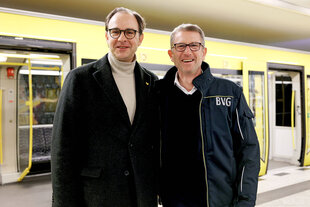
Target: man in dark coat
{"points": [[105, 134]]}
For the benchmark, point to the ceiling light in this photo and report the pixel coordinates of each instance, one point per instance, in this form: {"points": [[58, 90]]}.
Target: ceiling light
{"points": [[3, 59], [40, 72]]}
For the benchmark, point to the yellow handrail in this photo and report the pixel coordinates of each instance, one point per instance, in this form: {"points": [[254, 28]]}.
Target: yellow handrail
{"points": [[292, 118], [45, 68], [27, 170], [62, 77], [12, 63], [1, 150]]}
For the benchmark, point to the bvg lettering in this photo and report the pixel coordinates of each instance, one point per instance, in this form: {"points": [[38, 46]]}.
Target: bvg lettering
{"points": [[223, 101]]}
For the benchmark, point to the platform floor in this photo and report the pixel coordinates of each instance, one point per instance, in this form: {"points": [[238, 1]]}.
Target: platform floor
{"points": [[283, 186]]}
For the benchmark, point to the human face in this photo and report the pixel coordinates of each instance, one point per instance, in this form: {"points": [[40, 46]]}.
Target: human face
{"points": [[122, 48], [188, 62]]}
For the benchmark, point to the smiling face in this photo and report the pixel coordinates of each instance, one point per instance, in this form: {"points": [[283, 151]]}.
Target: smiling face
{"points": [[122, 48], [187, 62]]}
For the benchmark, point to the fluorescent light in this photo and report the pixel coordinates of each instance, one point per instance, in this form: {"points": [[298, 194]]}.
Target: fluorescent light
{"points": [[3, 59], [45, 62], [40, 72], [38, 56], [14, 55], [43, 56]]}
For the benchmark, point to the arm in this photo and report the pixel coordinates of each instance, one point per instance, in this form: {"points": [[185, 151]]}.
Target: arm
{"points": [[247, 155], [65, 160]]}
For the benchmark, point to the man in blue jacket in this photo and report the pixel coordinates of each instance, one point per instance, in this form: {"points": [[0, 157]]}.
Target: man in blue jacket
{"points": [[210, 151]]}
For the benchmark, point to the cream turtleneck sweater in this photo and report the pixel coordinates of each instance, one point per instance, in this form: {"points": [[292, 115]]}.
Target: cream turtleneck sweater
{"points": [[123, 73]]}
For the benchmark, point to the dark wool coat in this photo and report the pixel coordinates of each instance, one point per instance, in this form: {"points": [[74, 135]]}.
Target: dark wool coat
{"points": [[98, 158]]}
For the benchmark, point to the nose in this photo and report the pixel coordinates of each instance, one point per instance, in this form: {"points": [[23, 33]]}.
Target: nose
{"points": [[122, 37], [187, 49]]}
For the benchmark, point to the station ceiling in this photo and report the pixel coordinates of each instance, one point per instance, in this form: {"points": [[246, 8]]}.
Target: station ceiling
{"points": [[282, 23]]}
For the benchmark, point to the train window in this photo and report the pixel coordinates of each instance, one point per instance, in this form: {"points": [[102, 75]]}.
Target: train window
{"points": [[45, 91], [283, 101], [257, 105], [46, 85]]}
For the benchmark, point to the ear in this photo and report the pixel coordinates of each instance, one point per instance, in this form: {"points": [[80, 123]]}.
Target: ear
{"points": [[170, 54], [106, 35], [204, 52], [141, 37]]}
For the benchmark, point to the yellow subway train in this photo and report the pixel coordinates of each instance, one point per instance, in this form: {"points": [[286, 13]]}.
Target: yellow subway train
{"points": [[38, 50]]}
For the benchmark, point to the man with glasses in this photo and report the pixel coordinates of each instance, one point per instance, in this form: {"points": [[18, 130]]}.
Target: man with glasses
{"points": [[105, 135], [209, 148]]}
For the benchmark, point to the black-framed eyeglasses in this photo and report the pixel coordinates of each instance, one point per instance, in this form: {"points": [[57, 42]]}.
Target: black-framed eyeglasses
{"points": [[193, 46], [116, 33]]}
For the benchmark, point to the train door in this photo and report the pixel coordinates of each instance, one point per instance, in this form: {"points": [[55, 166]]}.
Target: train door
{"points": [[307, 142], [8, 121], [257, 104], [30, 84], [286, 120], [255, 90]]}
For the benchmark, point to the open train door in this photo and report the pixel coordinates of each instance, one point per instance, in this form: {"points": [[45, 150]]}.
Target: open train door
{"points": [[255, 90], [306, 161], [287, 114], [29, 88], [31, 75]]}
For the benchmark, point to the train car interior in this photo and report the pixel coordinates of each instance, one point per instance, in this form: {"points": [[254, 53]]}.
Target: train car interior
{"points": [[30, 84]]}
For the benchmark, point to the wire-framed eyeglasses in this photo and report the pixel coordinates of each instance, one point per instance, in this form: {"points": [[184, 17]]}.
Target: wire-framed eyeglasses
{"points": [[116, 33], [193, 46]]}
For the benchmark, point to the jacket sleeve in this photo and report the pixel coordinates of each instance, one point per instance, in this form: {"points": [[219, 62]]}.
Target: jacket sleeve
{"points": [[247, 155], [66, 152]]}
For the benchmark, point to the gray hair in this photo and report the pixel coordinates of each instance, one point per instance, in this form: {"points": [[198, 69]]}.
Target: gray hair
{"points": [[187, 27]]}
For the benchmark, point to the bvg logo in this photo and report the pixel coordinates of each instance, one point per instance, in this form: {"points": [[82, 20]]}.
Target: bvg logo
{"points": [[223, 101]]}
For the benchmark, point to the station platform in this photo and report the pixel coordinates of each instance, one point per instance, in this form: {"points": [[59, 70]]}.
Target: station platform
{"points": [[281, 187]]}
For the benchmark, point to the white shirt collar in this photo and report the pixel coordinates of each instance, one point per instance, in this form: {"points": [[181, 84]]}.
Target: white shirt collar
{"points": [[177, 83]]}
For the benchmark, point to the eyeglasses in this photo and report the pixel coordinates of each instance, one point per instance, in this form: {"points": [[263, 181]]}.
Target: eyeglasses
{"points": [[181, 47], [116, 33]]}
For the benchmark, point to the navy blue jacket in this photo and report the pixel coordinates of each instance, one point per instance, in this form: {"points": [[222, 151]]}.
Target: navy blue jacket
{"points": [[230, 149]]}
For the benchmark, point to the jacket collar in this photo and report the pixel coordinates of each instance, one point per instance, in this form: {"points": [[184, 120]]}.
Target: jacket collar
{"points": [[204, 80], [201, 82]]}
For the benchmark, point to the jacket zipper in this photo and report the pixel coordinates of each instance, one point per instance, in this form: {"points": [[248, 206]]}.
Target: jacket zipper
{"points": [[241, 181], [237, 114], [238, 122], [203, 152]]}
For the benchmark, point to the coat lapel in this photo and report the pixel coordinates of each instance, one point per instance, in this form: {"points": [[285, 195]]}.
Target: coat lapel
{"points": [[143, 85], [104, 78]]}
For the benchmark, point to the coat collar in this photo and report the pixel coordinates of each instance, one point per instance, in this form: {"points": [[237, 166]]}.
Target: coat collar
{"points": [[204, 80], [201, 82], [103, 76]]}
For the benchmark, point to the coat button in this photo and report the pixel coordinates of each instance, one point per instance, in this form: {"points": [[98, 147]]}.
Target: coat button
{"points": [[126, 172]]}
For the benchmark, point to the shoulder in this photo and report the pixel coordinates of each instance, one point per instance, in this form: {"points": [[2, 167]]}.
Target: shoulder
{"points": [[225, 81], [86, 70], [149, 73], [228, 86]]}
